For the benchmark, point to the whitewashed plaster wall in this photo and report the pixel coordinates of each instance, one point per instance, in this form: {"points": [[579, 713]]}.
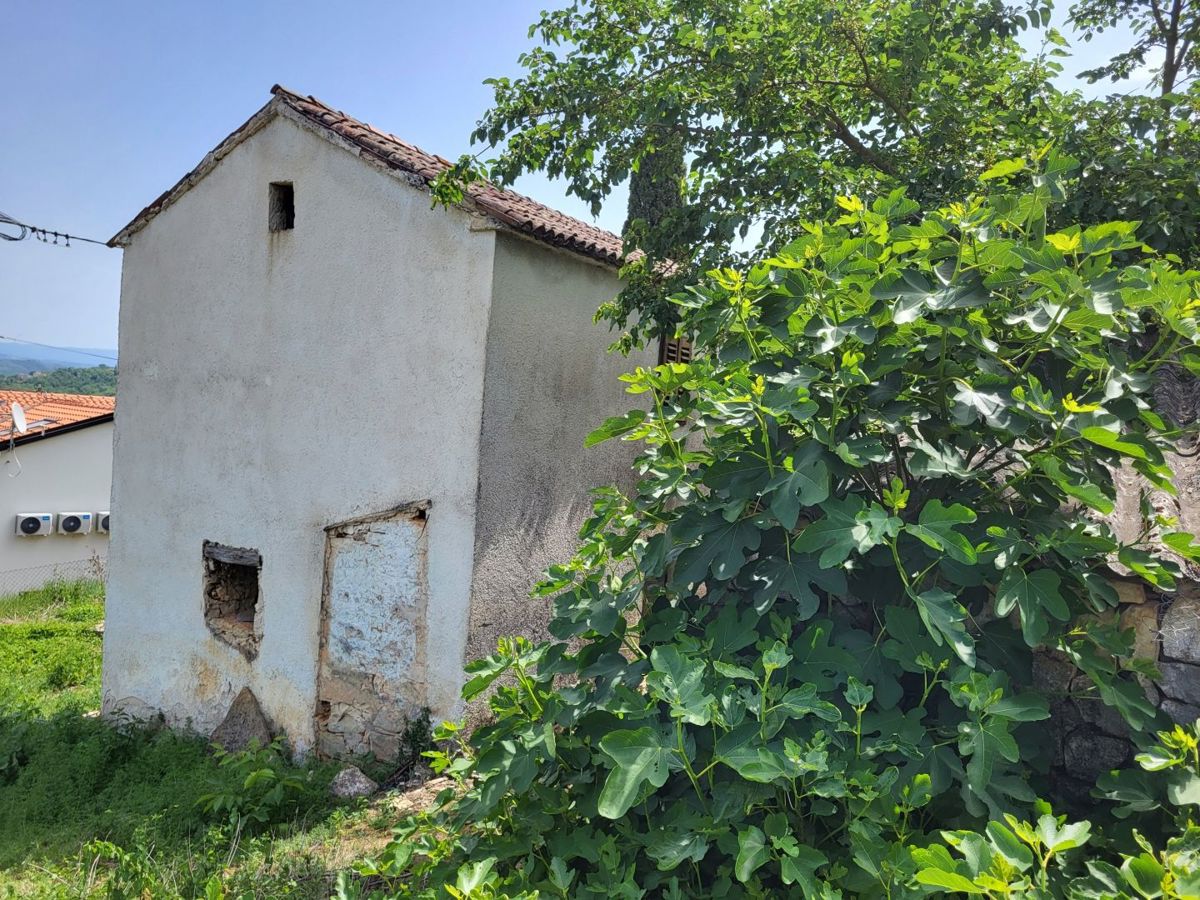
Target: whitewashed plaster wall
{"points": [[550, 382], [273, 384], [69, 472]]}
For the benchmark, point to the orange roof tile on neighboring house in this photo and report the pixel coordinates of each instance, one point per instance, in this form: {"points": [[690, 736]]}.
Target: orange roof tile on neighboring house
{"points": [[47, 414], [506, 207]]}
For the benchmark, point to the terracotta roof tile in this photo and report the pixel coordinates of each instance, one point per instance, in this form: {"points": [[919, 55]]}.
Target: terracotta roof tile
{"points": [[46, 413], [507, 207]]}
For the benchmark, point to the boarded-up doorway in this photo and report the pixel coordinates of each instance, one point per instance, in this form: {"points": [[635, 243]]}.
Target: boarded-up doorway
{"points": [[372, 667]]}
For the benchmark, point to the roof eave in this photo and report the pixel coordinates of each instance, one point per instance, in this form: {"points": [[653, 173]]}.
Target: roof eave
{"points": [[48, 433], [279, 105], [251, 126]]}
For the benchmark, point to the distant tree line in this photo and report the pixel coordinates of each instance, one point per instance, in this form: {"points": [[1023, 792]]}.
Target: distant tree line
{"points": [[100, 380]]}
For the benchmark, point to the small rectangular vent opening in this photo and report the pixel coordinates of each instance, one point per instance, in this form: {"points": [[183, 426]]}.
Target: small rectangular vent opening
{"points": [[282, 215], [674, 350], [232, 610]]}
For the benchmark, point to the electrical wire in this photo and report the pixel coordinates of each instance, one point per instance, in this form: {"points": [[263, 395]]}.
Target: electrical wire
{"points": [[6, 219], [42, 234], [4, 337]]}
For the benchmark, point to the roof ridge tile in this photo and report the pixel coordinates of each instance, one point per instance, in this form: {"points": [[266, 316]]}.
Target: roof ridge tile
{"points": [[508, 207]]}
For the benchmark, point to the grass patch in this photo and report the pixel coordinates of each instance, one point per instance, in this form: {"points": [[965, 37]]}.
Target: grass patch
{"points": [[50, 648], [81, 600], [89, 808]]}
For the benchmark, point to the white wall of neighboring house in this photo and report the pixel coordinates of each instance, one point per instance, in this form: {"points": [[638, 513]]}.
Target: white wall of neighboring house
{"points": [[273, 384], [69, 472]]}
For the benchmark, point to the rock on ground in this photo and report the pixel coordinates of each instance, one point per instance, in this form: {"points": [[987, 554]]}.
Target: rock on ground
{"points": [[351, 782], [243, 724]]}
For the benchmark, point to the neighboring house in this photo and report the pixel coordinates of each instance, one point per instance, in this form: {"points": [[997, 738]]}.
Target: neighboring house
{"points": [[351, 430], [54, 487]]}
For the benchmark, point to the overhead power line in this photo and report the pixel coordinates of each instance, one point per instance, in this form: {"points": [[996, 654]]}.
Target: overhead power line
{"points": [[4, 337], [45, 235]]}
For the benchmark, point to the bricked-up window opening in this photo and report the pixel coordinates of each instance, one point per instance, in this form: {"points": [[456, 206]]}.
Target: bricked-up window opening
{"points": [[372, 666], [674, 350], [232, 610], [282, 215]]}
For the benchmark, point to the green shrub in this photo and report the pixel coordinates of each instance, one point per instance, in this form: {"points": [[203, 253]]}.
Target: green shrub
{"points": [[1043, 859], [38, 660], [804, 644], [88, 801], [255, 787], [84, 596], [66, 779]]}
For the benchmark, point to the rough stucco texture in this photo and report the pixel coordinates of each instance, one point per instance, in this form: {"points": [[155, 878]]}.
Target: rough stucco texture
{"points": [[65, 473], [273, 384], [549, 383]]}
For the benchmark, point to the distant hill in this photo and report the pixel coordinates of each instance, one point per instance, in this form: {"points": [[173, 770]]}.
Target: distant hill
{"points": [[17, 357], [67, 380], [16, 365]]}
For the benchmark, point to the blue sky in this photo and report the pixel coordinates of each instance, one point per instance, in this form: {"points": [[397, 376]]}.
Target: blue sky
{"points": [[107, 105]]}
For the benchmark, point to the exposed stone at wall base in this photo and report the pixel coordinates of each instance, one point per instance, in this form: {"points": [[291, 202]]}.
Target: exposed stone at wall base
{"points": [[1089, 737], [1089, 752], [352, 722], [243, 725], [1180, 712], [1178, 656], [1143, 619], [1180, 682], [372, 665]]}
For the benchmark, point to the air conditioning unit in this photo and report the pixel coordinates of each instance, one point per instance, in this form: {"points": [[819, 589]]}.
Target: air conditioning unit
{"points": [[35, 524], [102, 521], [74, 523]]}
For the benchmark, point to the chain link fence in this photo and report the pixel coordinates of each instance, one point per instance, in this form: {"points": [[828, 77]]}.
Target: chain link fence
{"points": [[13, 581]]}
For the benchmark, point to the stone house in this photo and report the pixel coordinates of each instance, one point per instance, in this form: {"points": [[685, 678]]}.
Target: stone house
{"points": [[55, 499], [351, 430]]}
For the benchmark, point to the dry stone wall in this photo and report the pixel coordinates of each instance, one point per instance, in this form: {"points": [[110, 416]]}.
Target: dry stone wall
{"points": [[1089, 737]]}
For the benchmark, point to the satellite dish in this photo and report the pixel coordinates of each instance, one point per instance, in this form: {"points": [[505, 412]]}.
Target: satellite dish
{"points": [[18, 417]]}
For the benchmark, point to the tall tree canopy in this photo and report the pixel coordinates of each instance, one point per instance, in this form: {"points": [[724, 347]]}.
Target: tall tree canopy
{"points": [[778, 106], [1142, 148], [1165, 33]]}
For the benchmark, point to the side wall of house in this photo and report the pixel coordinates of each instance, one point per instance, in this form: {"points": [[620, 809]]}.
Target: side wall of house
{"points": [[549, 382], [69, 472], [273, 384]]}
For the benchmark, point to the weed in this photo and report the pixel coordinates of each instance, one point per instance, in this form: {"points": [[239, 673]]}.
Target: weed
{"points": [[255, 787], [48, 600], [50, 649]]}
